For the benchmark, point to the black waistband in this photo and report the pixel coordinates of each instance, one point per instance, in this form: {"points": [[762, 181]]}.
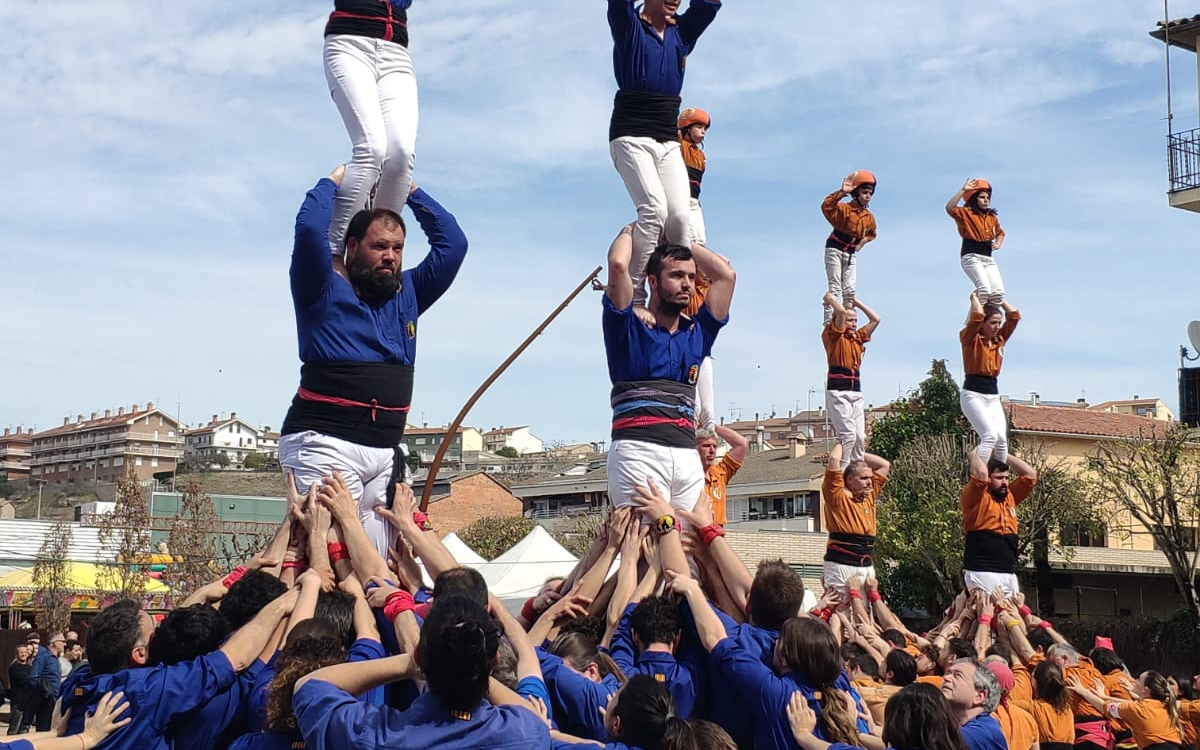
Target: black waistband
{"points": [[842, 379], [694, 178], [662, 412], [990, 552], [1163, 746], [842, 241], [386, 386], [850, 549], [1057, 745], [975, 247], [986, 384], [377, 19], [644, 114]]}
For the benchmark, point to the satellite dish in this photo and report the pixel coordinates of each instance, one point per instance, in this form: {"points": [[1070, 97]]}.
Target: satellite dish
{"points": [[1194, 334]]}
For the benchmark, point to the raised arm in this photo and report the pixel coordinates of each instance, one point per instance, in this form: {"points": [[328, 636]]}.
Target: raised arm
{"points": [[878, 464], [312, 264], [872, 318], [739, 444], [708, 625], [655, 509], [722, 277], [978, 469], [358, 677], [1012, 316], [447, 249], [839, 311], [244, 646], [620, 285], [957, 197], [336, 496], [403, 515], [735, 577], [627, 579], [1021, 467]]}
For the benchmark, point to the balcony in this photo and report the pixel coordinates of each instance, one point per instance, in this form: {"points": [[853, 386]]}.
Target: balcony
{"points": [[1183, 159]]}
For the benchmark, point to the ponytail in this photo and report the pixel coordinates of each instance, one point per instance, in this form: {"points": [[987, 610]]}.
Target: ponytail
{"points": [[839, 720], [1157, 688], [609, 667]]}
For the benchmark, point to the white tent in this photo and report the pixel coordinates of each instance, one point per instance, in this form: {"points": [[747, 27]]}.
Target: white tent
{"points": [[520, 572], [463, 555]]}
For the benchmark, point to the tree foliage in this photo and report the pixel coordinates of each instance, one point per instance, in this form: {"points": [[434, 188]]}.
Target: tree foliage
{"points": [[577, 533], [1155, 478], [508, 452], [126, 530], [51, 575], [254, 461], [192, 542], [932, 409], [492, 536]]}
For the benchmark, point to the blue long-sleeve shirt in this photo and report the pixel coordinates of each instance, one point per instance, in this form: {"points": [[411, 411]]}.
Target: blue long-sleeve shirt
{"points": [[681, 677], [332, 323], [644, 61], [204, 727], [44, 672], [576, 700]]}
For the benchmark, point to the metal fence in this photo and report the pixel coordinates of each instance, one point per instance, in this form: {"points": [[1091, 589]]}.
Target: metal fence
{"points": [[1183, 155]]}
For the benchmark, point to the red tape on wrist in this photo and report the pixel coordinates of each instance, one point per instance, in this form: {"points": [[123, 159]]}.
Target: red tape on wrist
{"points": [[1025, 611], [337, 551], [295, 565], [875, 596], [985, 619], [855, 594], [528, 613], [711, 532], [1044, 625], [397, 603], [234, 576], [422, 521]]}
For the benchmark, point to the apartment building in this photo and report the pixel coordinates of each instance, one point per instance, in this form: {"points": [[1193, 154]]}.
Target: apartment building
{"points": [[14, 453], [96, 448], [232, 437], [519, 439]]}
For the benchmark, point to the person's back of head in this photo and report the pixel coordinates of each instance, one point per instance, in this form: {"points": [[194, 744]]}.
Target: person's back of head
{"points": [[579, 651], [709, 735], [591, 626], [900, 668], [113, 635], [1002, 652], [1050, 686], [1063, 651], [865, 665], [311, 645], [1040, 639], [850, 651], [248, 596], [462, 582], [337, 608], [808, 646], [186, 633], [655, 620], [1106, 660], [894, 638], [961, 648], [505, 670], [1183, 686], [776, 594], [643, 716], [457, 651], [920, 718]]}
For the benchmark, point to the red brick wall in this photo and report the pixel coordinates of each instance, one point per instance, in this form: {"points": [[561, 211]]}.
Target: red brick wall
{"points": [[471, 498]]}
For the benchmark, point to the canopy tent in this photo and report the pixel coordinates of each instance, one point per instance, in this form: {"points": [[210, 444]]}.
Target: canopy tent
{"points": [[81, 576], [463, 554], [520, 572]]}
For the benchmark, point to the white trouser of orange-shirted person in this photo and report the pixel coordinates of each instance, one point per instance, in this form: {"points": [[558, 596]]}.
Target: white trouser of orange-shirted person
{"points": [[849, 423], [985, 275], [841, 276], [986, 415]]}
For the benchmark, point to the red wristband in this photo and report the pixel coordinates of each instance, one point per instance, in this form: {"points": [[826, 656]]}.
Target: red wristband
{"points": [[1044, 625], [875, 596], [1025, 611], [294, 565], [528, 613], [711, 532], [337, 551], [234, 576], [397, 603], [855, 594], [422, 521], [985, 619]]}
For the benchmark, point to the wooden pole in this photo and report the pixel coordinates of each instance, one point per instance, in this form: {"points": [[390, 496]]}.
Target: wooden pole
{"points": [[437, 459]]}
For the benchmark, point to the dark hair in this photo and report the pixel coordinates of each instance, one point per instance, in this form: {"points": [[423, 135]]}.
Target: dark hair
{"points": [[920, 718], [1106, 660], [655, 620], [973, 203], [961, 648], [853, 468], [187, 633], [902, 666], [994, 465], [248, 596], [505, 669], [1004, 652], [850, 650], [311, 645], [895, 637], [648, 719], [808, 646], [1039, 637], [457, 649], [337, 609], [466, 582], [362, 221], [991, 309], [1157, 688], [71, 644], [709, 735], [775, 595], [579, 650], [866, 664], [934, 655], [661, 253], [112, 635], [1183, 682], [591, 626], [1049, 685]]}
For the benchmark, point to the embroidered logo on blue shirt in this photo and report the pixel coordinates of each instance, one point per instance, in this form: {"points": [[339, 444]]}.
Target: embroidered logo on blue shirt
{"points": [[693, 373], [411, 328], [460, 715]]}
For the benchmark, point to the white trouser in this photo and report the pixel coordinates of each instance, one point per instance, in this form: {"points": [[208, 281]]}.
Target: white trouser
{"points": [[986, 415], [979, 580], [849, 424], [373, 84], [706, 414], [985, 275], [311, 456], [657, 181], [676, 472], [841, 275], [696, 220], [836, 574]]}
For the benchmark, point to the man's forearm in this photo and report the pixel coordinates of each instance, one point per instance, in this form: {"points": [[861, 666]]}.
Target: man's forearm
{"points": [[244, 646], [358, 677]]}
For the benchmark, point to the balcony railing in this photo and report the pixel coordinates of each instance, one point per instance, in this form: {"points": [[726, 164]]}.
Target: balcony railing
{"points": [[1183, 154]]}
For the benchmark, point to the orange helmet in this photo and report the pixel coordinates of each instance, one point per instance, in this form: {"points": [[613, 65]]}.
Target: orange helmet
{"points": [[980, 186], [861, 177], [694, 116]]}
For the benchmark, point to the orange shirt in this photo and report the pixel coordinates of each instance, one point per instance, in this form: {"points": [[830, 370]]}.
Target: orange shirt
{"points": [[1087, 674], [981, 512], [693, 155], [844, 349], [1052, 725], [1022, 689], [844, 514], [1150, 722], [931, 679], [849, 217], [1018, 726], [699, 292], [716, 481], [976, 225], [1114, 688], [1189, 721], [876, 698], [985, 357]]}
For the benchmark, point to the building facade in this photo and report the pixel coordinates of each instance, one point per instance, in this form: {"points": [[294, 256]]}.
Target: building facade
{"points": [[233, 438], [15, 448], [98, 448], [519, 439], [425, 441]]}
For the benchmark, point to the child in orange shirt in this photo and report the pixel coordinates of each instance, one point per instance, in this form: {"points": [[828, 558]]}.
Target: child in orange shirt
{"points": [[981, 236]]}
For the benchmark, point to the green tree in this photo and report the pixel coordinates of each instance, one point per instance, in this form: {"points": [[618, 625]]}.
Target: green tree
{"points": [[254, 461], [508, 452], [576, 534], [125, 531], [492, 536], [52, 576], [221, 460]]}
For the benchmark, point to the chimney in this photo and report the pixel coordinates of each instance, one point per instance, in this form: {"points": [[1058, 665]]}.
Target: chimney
{"points": [[134, 410], [93, 419], [233, 415], [6, 432], [759, 430], [796, 447], [214, 419], [1081, 401], [66, 421], [78, 418], [149, 405], [1034, 398], [107, 413]]}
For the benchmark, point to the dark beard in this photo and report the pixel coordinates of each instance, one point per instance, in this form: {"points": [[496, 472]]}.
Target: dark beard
{"points": [[371, 286], [670, 309], [998, 495]]}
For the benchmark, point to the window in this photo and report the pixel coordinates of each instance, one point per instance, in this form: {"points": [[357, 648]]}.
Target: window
{"points": [[154, 462], [763, 508], [137, 460], [1084, 535], [118, 461], [1190, 535]]}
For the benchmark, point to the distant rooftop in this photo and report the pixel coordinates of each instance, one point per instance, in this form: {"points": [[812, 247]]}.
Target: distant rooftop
{"points": [[1180, 32]]}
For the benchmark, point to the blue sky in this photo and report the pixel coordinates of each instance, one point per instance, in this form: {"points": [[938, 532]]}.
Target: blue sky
{"points": [[156, 154]]}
